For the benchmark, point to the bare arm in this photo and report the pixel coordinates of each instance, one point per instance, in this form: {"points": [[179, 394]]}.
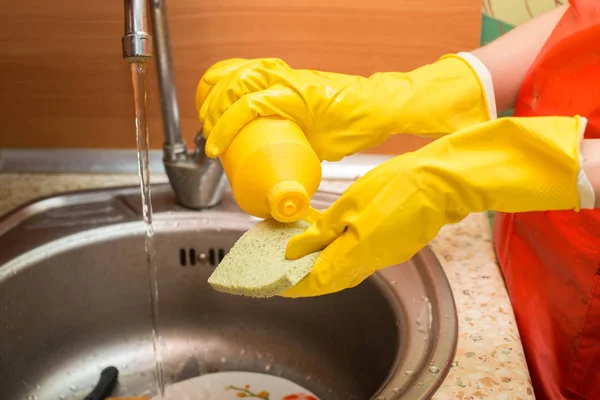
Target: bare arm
{"points": [[509, 57]]}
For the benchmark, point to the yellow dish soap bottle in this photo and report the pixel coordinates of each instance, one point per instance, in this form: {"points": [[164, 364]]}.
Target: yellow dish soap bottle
{"points": [[273, 170]]}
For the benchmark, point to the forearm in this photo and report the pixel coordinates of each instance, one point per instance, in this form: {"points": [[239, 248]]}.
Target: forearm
{"points": [[509, 57]]}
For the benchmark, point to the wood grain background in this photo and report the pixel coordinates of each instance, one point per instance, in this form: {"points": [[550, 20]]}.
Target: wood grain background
{"points": [[64, 83]]}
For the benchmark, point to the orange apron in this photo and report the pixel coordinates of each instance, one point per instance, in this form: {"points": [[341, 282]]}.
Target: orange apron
{"points": [[551, 260]]}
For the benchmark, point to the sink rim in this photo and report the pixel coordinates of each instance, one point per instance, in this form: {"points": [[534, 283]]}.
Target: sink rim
{"points": [[441, 351]]}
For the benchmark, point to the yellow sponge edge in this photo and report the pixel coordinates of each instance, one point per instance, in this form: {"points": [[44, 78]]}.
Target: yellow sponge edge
{"points": [[256, 265]]}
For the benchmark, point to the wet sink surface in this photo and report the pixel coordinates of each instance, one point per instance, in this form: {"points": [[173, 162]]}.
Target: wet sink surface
{"points": [[74, 299]]}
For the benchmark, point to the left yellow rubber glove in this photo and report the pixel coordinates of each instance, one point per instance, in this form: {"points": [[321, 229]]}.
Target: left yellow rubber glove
{"points": [[342, 114], [392, 212]]}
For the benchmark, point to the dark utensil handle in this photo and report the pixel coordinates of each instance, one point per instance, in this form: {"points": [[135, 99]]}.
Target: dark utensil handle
{"points": [[106, 384]]}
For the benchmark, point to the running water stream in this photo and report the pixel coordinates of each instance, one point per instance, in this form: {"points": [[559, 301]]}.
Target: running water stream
{"points": [[138, 77]]}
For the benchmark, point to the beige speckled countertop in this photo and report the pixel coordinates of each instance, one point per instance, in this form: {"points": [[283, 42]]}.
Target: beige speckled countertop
{"points": [[489, 362]]}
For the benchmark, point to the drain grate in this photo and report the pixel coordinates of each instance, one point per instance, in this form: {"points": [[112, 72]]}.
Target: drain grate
{"points": [[190, 257]]}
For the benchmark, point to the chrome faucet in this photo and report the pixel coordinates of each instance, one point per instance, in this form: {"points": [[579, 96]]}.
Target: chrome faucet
{"points": [[198, 182]]}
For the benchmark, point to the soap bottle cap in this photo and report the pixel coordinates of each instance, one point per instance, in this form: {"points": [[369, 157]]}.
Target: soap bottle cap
{"points": [[288, 201]]}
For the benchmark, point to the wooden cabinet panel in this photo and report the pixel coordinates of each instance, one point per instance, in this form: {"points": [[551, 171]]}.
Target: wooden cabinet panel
{"points": [[65, 84]]}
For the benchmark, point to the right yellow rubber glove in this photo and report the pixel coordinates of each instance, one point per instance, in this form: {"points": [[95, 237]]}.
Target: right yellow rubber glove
{"points": [[392, 212], [343, 114]]}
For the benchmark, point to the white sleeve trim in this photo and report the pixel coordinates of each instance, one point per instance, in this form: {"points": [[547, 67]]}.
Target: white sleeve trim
{"points": [[486, 81], [587, 197]]}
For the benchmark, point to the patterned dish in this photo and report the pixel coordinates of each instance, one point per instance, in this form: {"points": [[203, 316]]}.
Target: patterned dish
{"points": [[236, 386]]}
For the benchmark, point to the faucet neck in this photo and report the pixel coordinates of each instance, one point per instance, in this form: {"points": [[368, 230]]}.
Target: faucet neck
{"points": [[166, 76], [197, 182]]}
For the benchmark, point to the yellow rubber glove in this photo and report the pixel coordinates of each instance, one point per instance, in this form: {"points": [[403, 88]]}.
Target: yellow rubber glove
{"points": [[392, 212], [215, 73], [340, 114]]}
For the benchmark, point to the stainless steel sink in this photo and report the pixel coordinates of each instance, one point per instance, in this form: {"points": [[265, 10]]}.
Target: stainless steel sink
{"points": [[74, 299]]}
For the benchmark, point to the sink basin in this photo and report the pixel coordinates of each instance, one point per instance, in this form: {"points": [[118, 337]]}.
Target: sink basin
{"points": [[74, 299]]}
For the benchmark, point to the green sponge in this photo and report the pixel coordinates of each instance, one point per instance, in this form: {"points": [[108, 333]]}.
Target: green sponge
{"points": [[256, 265]]}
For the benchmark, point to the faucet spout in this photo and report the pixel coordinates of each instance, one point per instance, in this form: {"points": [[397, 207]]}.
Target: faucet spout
{"points": [[137, 42]]}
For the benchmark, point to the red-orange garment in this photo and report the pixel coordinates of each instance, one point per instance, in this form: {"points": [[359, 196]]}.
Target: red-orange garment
{"points": [[551, 260]]}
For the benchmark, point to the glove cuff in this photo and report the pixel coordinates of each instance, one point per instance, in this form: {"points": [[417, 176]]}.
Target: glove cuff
{"points": [[587, 196], [512, 165], [444, 97], [485, 80]]}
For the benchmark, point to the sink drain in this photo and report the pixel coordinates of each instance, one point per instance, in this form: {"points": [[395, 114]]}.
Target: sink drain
{"points": [[189, 257]]}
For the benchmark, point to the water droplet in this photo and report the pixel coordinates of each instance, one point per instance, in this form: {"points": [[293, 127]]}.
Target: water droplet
{"points": [[433, 369], [37, 387], [243, 352], [268, 367], [73, 388], [393, 283], [223, 360], [396, 390], [308, 377], [408, 373], [420, 383], [380, 398], [62, 397]]}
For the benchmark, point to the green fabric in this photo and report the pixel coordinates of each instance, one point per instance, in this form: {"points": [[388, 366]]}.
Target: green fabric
{"points": [[492, 29]]}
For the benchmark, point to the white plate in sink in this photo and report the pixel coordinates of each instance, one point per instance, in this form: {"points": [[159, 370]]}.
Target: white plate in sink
{"points": [[236, 386]]}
